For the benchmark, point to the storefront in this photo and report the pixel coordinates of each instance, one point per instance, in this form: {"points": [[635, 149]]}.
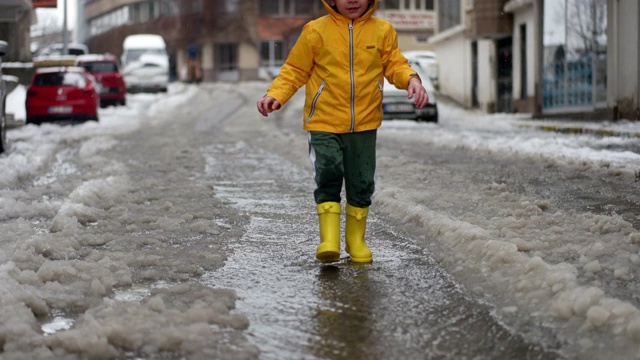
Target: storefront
{"points": [[574, 74]]}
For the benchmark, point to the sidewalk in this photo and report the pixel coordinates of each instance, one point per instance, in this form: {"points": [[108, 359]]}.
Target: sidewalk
{"points": [[603, 128], [622, 128]]}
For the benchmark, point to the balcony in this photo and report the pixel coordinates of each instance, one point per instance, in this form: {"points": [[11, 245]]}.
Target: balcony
{"points": [[487, 19]]}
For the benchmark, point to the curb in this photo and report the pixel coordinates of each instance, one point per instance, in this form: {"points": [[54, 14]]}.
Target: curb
{"points": [[585, 131]]}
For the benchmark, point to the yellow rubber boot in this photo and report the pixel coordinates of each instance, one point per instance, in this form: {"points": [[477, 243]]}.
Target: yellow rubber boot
{"points": [[329, 218], [355, 228]]}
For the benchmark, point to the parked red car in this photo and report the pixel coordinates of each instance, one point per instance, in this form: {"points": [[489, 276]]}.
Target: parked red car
{"points": [[106, 70], [62, 93]]}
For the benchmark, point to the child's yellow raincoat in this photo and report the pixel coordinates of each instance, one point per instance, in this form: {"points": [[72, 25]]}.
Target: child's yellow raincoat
{"points": [[343, 62]]}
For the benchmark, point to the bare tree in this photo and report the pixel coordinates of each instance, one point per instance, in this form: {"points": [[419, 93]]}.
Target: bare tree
{"points": [[46, 31], [587, 23]]}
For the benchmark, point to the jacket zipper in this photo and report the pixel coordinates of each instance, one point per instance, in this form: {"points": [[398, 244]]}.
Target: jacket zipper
{"points": [[381, 87], [313, 103], [353, 85]]}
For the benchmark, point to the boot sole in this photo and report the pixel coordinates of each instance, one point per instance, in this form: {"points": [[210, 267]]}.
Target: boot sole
{"points": [[362, 260], [328, 256]]}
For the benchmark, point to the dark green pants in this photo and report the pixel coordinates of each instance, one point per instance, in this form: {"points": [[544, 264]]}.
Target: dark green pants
{"points": [[350, 157]]}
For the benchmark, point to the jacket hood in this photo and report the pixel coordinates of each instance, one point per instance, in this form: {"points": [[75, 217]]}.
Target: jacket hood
{"points": [[336, 15]]}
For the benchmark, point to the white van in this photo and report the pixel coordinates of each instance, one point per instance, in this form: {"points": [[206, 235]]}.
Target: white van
{"points": [[145, 63]]}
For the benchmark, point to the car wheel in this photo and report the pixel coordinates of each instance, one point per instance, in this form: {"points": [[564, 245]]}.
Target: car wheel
{"points": [[123, 102], [32, 121]]}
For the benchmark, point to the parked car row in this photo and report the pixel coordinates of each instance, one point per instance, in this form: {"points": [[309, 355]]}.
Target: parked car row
{"points": [[73, 88]]}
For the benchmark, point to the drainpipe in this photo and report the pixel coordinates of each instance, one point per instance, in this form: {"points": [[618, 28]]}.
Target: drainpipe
{"points": [[566, 53], [615, 56], [539, 51], [65, 35], [594, 54]]}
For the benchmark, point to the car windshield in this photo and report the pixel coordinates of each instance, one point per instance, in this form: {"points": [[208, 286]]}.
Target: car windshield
{"points": [[135, 54], [422, 72], [100, 66], [60, 79]]}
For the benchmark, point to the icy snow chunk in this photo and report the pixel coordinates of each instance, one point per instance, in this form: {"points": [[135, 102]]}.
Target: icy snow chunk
{"points": [[634, 238], [168, 224], [602, 224], [597, 316], [96, 145], [633, 329], [524, 245], [185, 320], [100, 193], [622, 273], [205, 227], [592, 267], [586, 299]]}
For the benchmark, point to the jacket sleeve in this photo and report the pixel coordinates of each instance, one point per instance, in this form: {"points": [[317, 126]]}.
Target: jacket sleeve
{"points": [[296, 70], [395, 65]]}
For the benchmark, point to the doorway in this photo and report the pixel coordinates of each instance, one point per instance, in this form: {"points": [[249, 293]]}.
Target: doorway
{"points": [[504, 79]]}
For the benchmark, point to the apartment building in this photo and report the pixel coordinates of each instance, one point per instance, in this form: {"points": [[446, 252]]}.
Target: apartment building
{"points": [[570, 58], [238, 39]]}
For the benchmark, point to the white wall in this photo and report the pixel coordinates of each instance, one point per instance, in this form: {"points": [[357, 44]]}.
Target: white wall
{"points": [[623, 54], [524, 16], [454, 62], [487, 85]]}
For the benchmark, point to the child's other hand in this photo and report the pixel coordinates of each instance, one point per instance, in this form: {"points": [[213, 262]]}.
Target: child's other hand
{"points": [[267, 104], [416, 89]]}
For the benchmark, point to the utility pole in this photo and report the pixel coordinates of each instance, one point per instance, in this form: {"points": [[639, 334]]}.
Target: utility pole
{"points": [[65, 35]]}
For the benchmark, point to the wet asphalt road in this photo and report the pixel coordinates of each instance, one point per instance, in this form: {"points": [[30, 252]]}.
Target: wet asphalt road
{"points": [[403, 306]]}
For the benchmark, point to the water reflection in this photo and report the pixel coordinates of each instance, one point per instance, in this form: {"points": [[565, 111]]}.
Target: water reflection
{"points": [[344, 318]]}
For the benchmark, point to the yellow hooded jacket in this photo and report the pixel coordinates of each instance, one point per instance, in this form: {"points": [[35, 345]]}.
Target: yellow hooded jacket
{"points": [[342, 63]]}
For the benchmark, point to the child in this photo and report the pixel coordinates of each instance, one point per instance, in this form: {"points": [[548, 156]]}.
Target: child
{"points": [[342, 59]]}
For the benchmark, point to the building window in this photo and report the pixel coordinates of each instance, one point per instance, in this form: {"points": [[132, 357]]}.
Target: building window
{"points": [[226, 56], [272, 53], [305, 7], [272, 7], [391, 4], [448, 14], [232, 6], [288, 7], [421, 5]]}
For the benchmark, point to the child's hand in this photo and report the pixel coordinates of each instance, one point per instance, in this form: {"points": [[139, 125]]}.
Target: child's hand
{"points": [[267, 104], [416, 88]]}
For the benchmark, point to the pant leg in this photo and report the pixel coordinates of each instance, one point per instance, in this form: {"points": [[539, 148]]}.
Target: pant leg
{"points": [[360, 167], [325, 153]]}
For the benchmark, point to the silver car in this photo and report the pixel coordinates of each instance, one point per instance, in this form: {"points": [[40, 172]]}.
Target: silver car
{"points": [[396, 105], [4, 47]]}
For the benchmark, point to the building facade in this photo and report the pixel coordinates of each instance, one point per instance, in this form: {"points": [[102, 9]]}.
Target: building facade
{"points": [[545, 57], [16, 17], [238, 39]]}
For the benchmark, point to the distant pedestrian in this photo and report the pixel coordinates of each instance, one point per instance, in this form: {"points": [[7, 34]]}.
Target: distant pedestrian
{"points": [[342, 58], [194, 67]]}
